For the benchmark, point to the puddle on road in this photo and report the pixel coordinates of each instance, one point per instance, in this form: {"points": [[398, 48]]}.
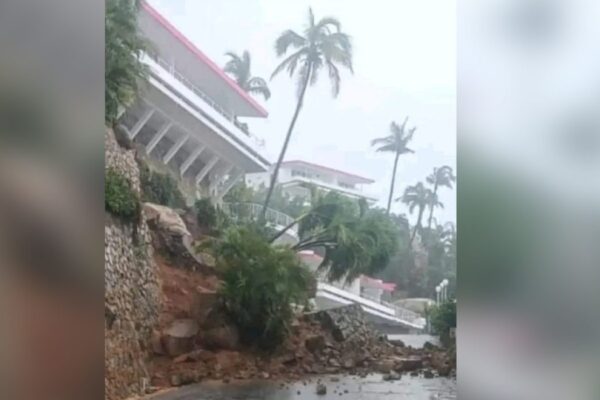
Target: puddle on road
{"points": [[371, 387]]}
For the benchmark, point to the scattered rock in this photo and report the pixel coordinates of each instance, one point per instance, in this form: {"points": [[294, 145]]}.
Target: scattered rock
{"points": [[392, 376], [315, 343], [321, 389], [398, 342], [428, 374], [410, 363]]}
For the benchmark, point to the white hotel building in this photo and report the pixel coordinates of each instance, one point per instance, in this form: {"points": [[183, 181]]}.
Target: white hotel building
{"points": [[296, 177], [187, 117]]}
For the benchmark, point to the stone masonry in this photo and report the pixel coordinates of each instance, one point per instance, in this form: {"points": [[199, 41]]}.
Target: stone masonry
{"points": [[131, 291]]}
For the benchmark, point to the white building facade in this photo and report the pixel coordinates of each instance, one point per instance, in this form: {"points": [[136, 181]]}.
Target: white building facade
{"points": [[296, 177], [187, 118]]}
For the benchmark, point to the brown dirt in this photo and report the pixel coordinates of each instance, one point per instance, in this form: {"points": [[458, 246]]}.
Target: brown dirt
{"points": [[292, 361], [177, 288]]}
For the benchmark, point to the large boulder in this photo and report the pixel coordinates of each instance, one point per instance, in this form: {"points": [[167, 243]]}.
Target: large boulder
{"points": [[165, 219], [225, 337], [179, 338], [173, 240]]}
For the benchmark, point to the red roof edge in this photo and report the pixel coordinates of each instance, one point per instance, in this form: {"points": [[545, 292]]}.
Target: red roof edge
{"points": [[337, 171], [203, 57]]}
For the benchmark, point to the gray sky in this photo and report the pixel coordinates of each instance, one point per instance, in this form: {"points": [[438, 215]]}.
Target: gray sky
{"points": [[404, 62]]}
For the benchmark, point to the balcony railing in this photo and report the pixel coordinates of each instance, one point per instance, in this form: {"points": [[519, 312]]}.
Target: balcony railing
{"points": [[251, 212], [170, 67]]}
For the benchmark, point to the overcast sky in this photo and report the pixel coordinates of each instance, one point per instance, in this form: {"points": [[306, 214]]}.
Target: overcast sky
{"points": [[404, 62]]}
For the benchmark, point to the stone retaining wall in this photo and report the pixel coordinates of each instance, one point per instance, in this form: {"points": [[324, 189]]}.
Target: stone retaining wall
{"points": [[131, 291]]}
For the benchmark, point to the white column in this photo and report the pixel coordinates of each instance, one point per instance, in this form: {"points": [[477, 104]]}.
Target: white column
{"points": [[217, 178], [159, 135], [141, 122], [232, 181], [213, 161], [175, 148], [190, 160]]}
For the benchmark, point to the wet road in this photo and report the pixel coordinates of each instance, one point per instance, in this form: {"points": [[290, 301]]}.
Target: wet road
{"points": [[371, 387]]}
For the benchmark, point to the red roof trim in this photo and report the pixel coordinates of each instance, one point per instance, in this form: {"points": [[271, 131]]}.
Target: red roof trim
{"points": [[203, 57], [337, 171]]}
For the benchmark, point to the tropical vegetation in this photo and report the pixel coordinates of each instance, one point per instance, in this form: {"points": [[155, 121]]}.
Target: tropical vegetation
{"points": [[322, 45], [261, 282], [443, 318], [239, 67], [124, 70], [397, 143], [160, 188], [352, 238], [419, 197], [119, 197], [440, 177]]}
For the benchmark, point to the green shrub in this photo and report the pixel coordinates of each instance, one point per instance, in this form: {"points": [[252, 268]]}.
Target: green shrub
{"points": [[160, 188], [443, 317], [206, 213], [119, 197], [260, 282]]}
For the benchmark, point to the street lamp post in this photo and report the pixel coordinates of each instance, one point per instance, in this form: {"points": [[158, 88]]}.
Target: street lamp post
{"points": [[437, 294], [445, 283]]}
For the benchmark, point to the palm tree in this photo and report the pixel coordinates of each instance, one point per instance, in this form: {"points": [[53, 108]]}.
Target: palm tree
{"points": [[239, 68], [418, 196], [322, 45], [441, 177], [396, 142]]}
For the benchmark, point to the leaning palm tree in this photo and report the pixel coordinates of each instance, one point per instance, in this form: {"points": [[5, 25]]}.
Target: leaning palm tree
{"points": [[441, 177], [239, 68], [417, 196], [322, 45], [396, 142]]}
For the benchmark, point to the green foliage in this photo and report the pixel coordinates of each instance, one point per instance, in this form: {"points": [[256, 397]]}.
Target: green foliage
{"points": [[206, 213], [119, 198], [260, 282], [160, 188], [355, 240], [239, 68], [123, 49], [443, 317], [417, 279]]}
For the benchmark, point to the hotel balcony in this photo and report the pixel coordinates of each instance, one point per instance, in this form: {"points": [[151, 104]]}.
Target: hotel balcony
{"points": [[186, 117]]}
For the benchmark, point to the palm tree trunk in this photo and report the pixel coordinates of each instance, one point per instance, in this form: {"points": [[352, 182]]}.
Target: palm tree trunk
{"points": [[288, 227], [285, 145], [389, 205], [435, 188], [417, 225]]}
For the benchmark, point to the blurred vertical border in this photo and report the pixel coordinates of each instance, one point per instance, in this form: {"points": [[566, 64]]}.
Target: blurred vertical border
{"points": [[51, 199], [528, 199]]}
